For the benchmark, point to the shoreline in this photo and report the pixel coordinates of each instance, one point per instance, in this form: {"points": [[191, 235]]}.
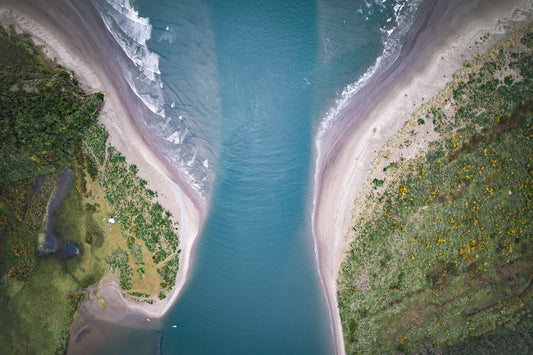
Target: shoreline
{"points": [[422, 70], [67, 37]]}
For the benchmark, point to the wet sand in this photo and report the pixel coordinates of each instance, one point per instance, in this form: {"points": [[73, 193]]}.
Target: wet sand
{"points": [[442, 37], [439, 41], [72, 33]]}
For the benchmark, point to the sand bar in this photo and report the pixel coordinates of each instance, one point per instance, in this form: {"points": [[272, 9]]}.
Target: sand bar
{"points": [[73, 34], [442, 37]]}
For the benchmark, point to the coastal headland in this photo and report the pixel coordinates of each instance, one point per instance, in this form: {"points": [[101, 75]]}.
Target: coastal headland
{"points": [[443, 36], [72, 34]]}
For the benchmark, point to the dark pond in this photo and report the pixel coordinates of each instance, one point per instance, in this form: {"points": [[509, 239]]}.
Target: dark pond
{"points": [[48, 243]]}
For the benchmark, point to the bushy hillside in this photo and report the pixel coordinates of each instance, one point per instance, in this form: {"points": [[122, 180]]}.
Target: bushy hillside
{"points": [[48, 123], [441, 252]]}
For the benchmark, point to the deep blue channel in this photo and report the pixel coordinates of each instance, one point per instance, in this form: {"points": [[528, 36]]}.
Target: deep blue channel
{"points": [[251, 79], [254, 288]]}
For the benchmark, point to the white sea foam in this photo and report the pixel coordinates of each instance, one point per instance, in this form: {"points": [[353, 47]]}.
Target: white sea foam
{"points": [[403, 18], [192, 181], [174, 138], [131, 32], [192, 160], [392, 46], [168, 35], [140, 68], [183, 135]]}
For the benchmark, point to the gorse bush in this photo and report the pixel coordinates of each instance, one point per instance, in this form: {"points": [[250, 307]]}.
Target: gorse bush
{"points": [[43, 116], [442, 255]]}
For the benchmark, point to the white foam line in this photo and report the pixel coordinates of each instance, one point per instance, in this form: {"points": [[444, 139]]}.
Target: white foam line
{"points": [[391, 51], [148, 63]]}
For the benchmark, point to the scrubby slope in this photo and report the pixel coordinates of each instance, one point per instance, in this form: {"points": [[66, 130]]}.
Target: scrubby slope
{"points": [[441, 250]]}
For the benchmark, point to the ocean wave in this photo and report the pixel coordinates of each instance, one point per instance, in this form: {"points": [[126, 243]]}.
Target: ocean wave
{"points": [[140, 68], [168, 35], [392, 34], [131, 32]]}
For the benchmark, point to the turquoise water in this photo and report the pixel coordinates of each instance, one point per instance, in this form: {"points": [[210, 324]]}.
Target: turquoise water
{"points": [[241, 92], [254, 288]]}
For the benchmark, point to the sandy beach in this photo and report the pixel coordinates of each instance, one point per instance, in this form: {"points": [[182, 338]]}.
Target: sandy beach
{"points": [[443, 36], [82, 44], [441, 39]]}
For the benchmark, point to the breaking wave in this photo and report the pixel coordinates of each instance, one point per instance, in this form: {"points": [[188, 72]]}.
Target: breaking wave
{"points": [[131, 32], [393, 31], [140, 68]]}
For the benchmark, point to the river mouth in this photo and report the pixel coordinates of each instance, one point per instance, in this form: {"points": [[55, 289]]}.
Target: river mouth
{"points": [[243, 89]]}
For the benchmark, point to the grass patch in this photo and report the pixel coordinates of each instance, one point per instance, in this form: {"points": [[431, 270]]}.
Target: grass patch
{"points": [[442, 257], [49, 123]]}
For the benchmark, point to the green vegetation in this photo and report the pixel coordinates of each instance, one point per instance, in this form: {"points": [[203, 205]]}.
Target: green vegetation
{"points": [[118, 260], [43, 114], [47, 123], [441, 256], [150, 245]]}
